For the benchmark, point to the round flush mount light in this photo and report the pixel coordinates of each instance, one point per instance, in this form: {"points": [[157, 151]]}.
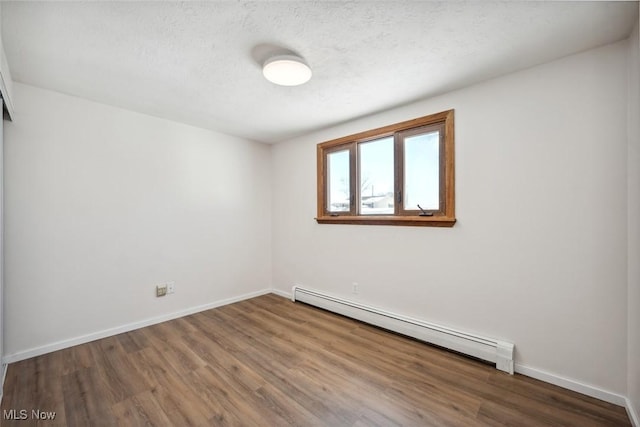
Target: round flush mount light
{"points": [[286, 70]]}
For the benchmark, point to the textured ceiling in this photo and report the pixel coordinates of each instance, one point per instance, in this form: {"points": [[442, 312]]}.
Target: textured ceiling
{"points": [[199, 62]]}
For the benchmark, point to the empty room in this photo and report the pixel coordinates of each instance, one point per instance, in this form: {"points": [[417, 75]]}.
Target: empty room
{"points": [[320, 213]]}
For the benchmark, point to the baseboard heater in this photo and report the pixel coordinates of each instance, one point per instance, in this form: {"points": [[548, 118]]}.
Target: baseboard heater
{"points": [[491, 350]]}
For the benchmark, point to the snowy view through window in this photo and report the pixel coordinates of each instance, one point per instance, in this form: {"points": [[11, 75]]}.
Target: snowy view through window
{"points": [[338, 167], [422, 171], [376, 175]]}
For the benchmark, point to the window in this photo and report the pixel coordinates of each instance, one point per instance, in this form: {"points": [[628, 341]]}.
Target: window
{"points": [[402, 174]]}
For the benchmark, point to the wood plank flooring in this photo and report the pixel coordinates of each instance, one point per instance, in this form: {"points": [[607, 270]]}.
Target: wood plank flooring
{"points": [[270, 362]]}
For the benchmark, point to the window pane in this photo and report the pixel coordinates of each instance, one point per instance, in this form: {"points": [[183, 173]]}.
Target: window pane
{"points": [[376, 177], [338, 193], [422, 171]]}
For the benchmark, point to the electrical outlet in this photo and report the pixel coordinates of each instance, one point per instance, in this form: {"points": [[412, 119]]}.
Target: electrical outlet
{"points": [[171, 287], [355, 288], [161, 290]]}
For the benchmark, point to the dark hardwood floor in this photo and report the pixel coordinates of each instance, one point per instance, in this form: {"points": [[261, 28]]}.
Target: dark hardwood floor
{"points": [[270, 362]]}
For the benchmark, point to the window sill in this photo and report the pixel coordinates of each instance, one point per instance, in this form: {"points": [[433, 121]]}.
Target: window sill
{"points": [[420, 221]]}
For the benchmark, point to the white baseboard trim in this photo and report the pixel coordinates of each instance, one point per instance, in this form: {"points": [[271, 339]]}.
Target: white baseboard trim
{"points": [[287, 295], [633, 415], [586, 389], [59, 345]]}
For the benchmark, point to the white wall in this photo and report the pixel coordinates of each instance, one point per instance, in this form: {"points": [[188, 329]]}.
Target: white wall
{"points": [[6, 84], [633, 190], [103, 203], [539, 254], [2, 365]]}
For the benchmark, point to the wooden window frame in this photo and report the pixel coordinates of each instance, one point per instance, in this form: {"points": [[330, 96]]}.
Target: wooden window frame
{"points": [[442, 217]]}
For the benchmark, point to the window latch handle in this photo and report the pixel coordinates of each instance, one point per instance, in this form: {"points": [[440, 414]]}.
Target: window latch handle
{"points": [[423, 212]]}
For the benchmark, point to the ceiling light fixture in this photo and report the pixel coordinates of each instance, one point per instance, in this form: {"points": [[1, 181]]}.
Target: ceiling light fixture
{"points": [[286, 70]]}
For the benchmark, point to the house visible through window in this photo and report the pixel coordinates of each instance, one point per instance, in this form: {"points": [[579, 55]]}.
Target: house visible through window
{"points": [[402, 174]]}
